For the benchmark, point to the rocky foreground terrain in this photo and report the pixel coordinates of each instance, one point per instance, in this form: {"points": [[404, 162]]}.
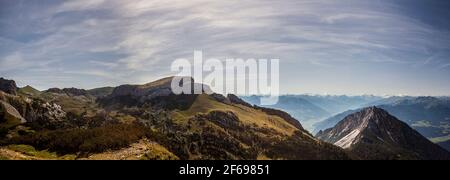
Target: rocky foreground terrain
{"points": [[148, 122]]}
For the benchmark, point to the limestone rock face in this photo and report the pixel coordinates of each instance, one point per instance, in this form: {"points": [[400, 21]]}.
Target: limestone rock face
{"points": [[9, 114], [16, 110], [8, 86]]}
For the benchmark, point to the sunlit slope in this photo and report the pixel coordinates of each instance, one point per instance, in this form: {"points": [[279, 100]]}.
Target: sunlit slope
{"points": [[249, 116]]}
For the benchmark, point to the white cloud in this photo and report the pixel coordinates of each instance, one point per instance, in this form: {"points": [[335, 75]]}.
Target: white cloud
{"points": [[445, 66], [12, 61], [80, 5], [139, 39]]}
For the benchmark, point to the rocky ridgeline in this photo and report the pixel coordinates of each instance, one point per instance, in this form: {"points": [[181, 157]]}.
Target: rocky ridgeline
{"points": [[69, 91]]}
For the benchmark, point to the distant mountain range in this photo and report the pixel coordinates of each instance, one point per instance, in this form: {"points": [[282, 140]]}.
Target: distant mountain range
{"points": [[310, 109], [428, 115]]}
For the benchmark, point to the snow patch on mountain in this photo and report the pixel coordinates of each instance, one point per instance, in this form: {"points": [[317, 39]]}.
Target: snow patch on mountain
{"points": [[348, 140]]}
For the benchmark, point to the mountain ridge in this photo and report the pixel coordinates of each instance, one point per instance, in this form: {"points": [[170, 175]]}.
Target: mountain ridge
{"points": [[373, 133], [189, 126], [428, 115]]}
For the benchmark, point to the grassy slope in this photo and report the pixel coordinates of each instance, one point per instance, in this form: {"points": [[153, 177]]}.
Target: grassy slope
{"points": [[143, 150], [76, 105], [99, 92], [28, 90], [205, 104], [26, 152]]}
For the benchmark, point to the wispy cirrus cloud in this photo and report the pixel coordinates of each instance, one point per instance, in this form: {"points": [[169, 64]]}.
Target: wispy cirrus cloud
{"points": [[134, 42]]}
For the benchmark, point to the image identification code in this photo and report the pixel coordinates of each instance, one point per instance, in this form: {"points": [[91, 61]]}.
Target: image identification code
{"points": [[246, 169], [225, 170]]}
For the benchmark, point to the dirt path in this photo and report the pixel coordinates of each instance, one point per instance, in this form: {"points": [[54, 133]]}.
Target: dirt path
{"points": [[13, 155], [144, 149]]}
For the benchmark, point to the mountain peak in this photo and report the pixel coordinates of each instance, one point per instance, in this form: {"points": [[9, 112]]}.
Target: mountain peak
{"points": [[370, 117], [161, 87], [374, 115], [29, 90], [374, 109], [373, 133]]}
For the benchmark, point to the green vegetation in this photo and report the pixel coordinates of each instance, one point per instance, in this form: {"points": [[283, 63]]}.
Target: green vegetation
{"points": [[98, 126], [31, 151], [157, 152], [101, 92], [29, 91], [126, 119], [77, 105], [36, 154], [94, 140], [205, 104], [3, 158]]}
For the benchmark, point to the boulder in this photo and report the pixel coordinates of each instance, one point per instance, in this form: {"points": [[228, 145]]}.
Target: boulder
{"points": [[9, 116]]}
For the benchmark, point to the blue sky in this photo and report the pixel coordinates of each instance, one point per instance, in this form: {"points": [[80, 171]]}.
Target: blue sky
{"points": [[382, 47]]}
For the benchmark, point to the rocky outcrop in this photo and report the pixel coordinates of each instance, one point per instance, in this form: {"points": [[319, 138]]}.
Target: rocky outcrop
{"points": [[158, 93], [69, 91], [26, 110], [158, 88], [52, 111], [9, 116], [162, 87], [236, 100], [8, 86], [225, 120], [55, 90], [220, 98]]}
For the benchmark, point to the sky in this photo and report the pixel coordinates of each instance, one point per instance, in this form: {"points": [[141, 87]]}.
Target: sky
{"points": [[379, 47]]}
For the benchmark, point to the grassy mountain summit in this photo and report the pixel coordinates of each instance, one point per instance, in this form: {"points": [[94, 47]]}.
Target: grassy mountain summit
{"points": [[28, 90], [86, 124]]}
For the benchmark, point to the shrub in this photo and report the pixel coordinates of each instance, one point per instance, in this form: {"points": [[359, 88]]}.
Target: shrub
{"points": [[99, 139]]}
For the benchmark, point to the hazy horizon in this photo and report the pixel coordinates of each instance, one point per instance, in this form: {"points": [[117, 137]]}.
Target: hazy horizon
{"points": [[281, 94], [349, 47]]}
